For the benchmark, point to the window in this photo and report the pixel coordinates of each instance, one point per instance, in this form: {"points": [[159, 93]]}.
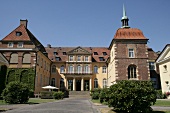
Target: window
{"points": [[79, 69], [86, 69], [14, 58], [151, 65], [95, 53], [154, 82], [61, 83], [101, 58], [55, 53], [20, 44], [18, 33], [95, 83], [10, 44], [78, 58], [53, 69], [86, 58], [104, 83], [71, 69], [131, 72], [62, 69], [57, 58], [53, 82], [95, 69], [131, 53], [104, 53], [165, 68], [104, 69], [70, 58], [26, 58], [64, 53]]}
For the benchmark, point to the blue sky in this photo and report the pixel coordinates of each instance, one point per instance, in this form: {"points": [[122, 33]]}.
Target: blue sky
{"points": [[87, 23]]}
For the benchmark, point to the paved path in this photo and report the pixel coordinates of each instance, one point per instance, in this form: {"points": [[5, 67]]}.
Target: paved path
{"points": [[73, 105]]}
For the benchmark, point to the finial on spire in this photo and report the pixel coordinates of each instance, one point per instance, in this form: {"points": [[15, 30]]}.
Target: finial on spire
{"points": [[124, 19]]}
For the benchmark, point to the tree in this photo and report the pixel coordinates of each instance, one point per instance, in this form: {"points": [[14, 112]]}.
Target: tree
{"points": [[132, 96], [16, 92]]}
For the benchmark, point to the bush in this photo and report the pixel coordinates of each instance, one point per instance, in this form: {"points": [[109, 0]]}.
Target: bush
{"points": [[132, 96], [58, 95], [16, 92], [160, 95], [103, 96], [46, 94], [95, 93]]}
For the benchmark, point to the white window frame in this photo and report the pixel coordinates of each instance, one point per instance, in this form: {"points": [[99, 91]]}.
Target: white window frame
{"points": [[104, 68], [95, 83], [71, 58], [20, 44], [10, 44], [131, 53], [86, 58], [104, 83], [95, 69], [78, 58]]}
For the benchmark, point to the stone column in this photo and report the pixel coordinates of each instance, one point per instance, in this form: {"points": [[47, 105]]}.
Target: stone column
{"points": [[74, 84], [82, 84], [90, 83]]}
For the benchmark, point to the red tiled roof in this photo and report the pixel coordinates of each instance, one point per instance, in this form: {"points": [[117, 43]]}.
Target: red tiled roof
{"points": [[12, 36], [64, 58], [152, 55], [129, 33]]}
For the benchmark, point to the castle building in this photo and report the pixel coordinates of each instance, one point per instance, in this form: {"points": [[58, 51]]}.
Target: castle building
{"points": [[78, 68]]}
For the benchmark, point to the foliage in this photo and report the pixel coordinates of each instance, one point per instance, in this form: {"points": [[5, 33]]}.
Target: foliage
{"points": [[58, 95], [132, 96], [160, 95], [103, 96], [95, 93], [2, 78], [16, 92], [46, 94]]}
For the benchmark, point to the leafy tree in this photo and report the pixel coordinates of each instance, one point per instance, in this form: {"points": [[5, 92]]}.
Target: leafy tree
{"points": [[16, 92], [132, 96], [58, 95]]}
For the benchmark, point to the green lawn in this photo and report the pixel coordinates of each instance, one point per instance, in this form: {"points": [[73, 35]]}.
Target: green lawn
{"points": [[162, 103], [33, 101]]}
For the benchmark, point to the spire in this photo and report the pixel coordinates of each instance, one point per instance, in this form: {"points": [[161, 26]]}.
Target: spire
{"points": [[124, 19]]}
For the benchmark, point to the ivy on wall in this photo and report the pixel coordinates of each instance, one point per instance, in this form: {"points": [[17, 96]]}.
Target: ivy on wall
{"points": [[25, 75], [3, 71]]}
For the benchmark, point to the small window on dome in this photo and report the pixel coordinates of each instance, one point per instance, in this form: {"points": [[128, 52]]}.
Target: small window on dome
{"points": [[18, 33]]}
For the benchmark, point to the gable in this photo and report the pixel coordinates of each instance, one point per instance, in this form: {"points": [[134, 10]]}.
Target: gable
{"points": [[13, 35], [79, 50], [165, 55]]}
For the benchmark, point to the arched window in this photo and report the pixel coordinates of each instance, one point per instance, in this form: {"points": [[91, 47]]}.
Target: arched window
{"points": [[53, 82], [131, 72], [104, 69], [26, 58], [71, 69], [79, 69], [104, 83], [62, 69], [95, 69], [53, 69], [95, 83], [14, 58], [86, 69]]}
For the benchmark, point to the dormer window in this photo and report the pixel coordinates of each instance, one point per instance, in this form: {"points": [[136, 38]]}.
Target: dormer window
{"points": [[55, 53], [20, 44], [10, 44], [101, 58], [18, 33], [57, 58], [104, 53], [95, 53]]}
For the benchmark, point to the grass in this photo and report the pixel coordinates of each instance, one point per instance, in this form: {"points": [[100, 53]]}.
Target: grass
{"points": [[32, 101], [165, 103]]}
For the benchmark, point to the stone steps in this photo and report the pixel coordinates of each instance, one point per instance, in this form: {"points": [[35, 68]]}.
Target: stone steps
{"points": [[79, 94]]}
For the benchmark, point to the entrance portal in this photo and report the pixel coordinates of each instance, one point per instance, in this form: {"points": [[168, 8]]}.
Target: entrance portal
{"points": [[86, 85], [78, 85]]}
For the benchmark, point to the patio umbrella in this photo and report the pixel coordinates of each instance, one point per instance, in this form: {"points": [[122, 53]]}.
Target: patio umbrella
{"points": [[49, 87]]}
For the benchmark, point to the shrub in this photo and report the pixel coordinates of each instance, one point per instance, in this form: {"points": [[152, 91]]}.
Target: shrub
{"points": [[95, 93], [58, 95], [132, 96], [160, 95], [16, 92], [103, 96], [46, 94]]}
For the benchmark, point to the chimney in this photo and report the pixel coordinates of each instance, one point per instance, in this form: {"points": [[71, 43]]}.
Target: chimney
{"points": [[48, 45], [24, 22]]}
